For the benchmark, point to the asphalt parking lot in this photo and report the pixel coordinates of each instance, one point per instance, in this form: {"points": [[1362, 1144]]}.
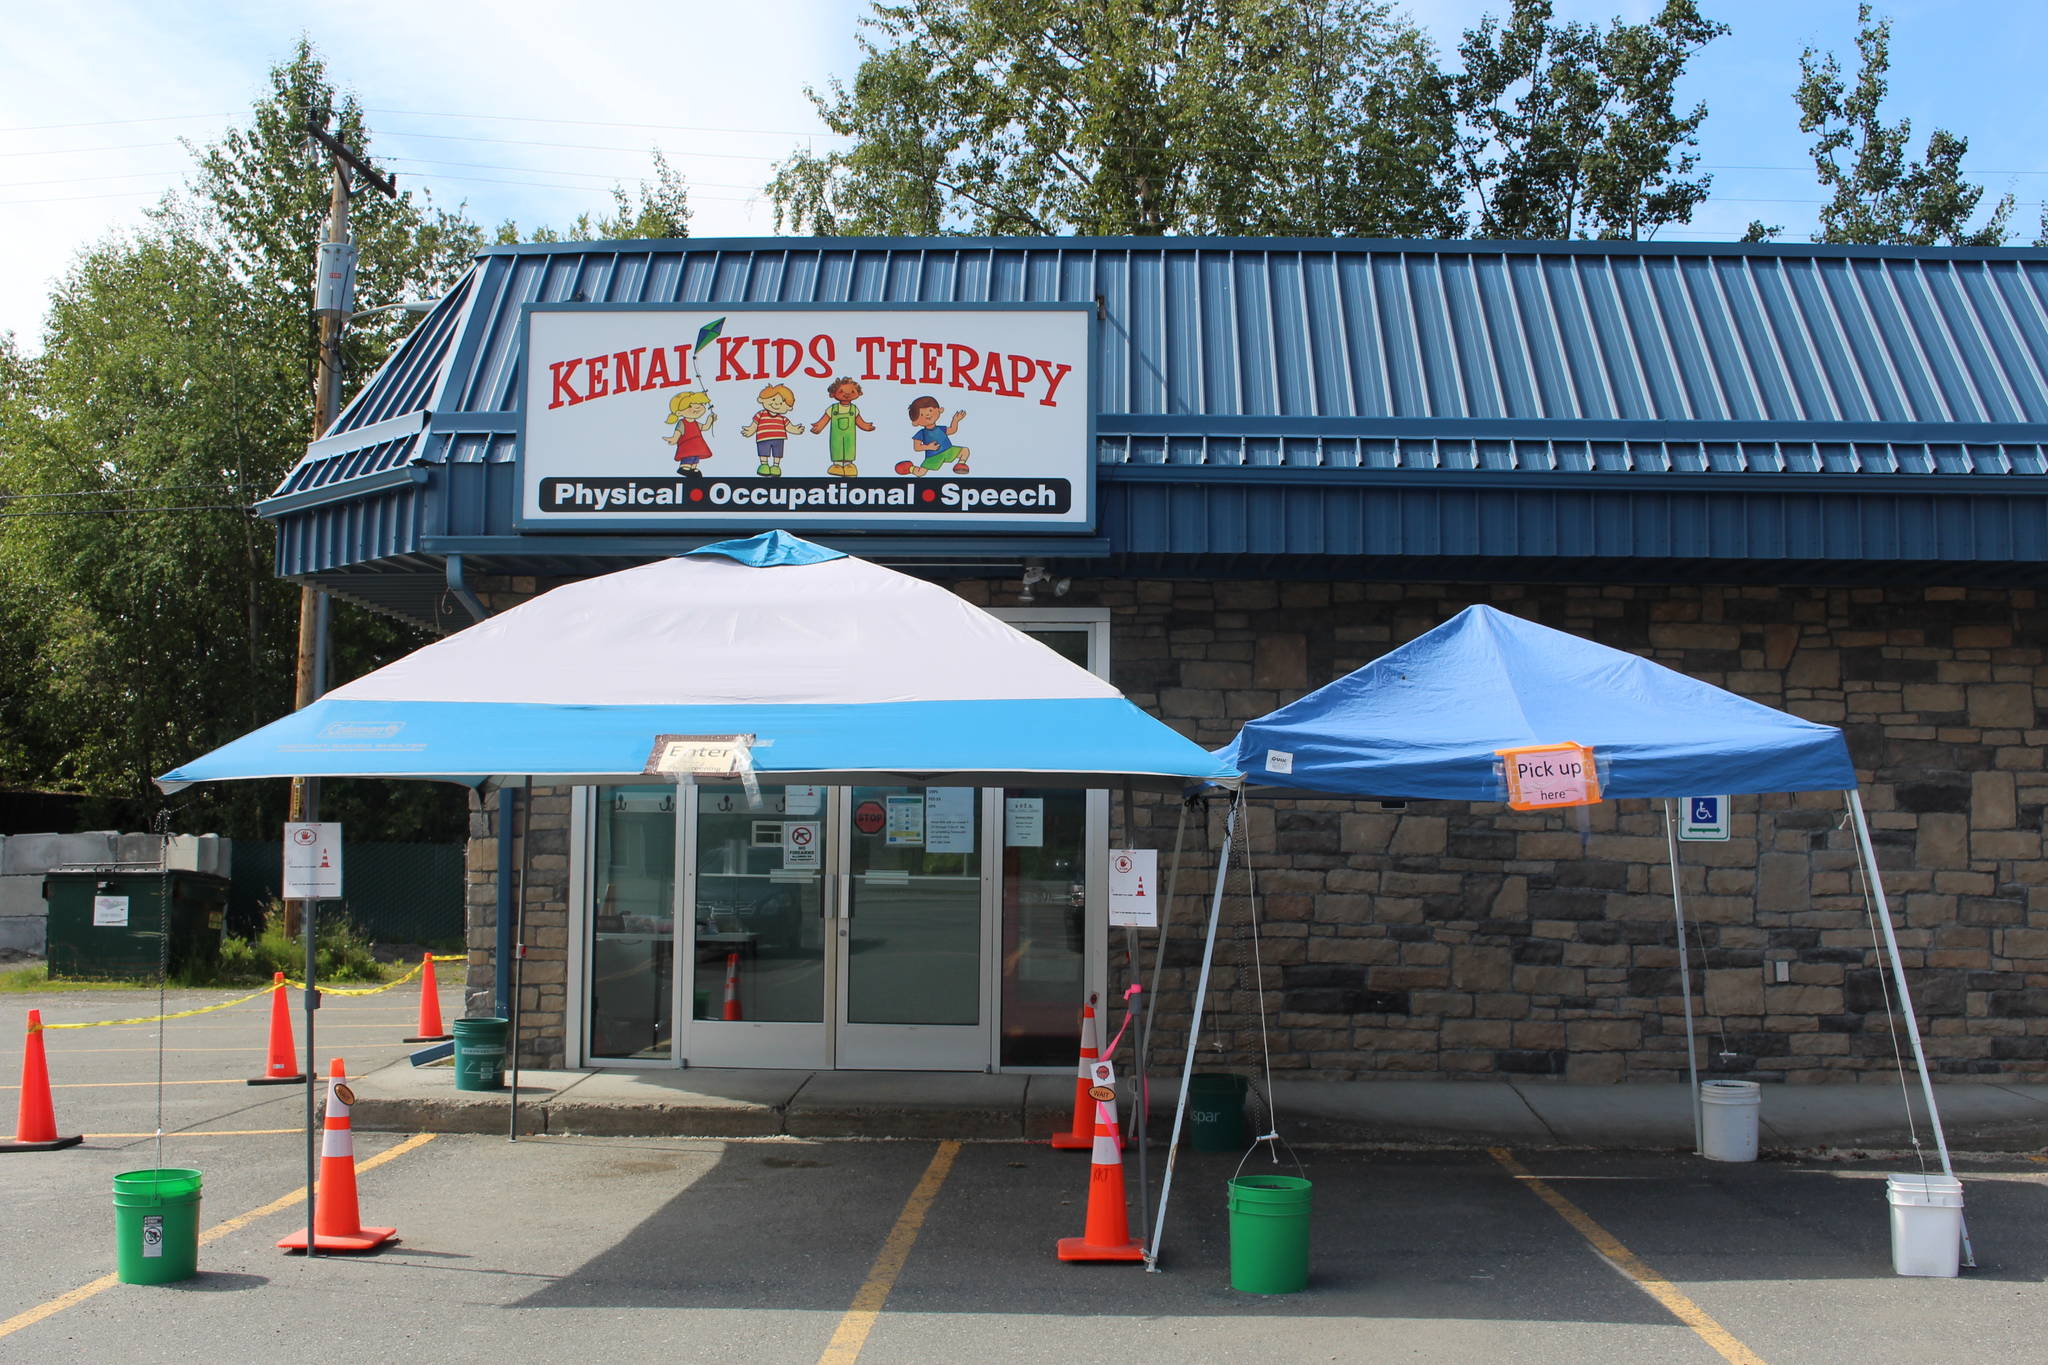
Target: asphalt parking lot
{"points": [[920, 1251]]}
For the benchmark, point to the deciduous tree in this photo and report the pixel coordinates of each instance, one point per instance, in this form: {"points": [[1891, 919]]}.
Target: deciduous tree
{"points": [[1048, 117], [1879, 194], [1569, 129]]}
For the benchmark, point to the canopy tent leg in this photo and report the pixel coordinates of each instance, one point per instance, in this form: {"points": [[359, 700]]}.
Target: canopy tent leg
{"points": [[1187, 1067], [518, 959], [1891, 944], [1134, 970], [1692, 1052]]}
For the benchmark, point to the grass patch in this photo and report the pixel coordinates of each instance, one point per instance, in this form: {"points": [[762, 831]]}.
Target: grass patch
{"points": [[35, 976]]}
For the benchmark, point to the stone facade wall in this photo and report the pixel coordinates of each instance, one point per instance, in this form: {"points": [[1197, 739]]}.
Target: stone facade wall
{"points": [[541, 856], [1454, 939]]}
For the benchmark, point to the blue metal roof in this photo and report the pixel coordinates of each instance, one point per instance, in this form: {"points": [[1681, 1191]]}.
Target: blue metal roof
{"points": [[1497, 367]]}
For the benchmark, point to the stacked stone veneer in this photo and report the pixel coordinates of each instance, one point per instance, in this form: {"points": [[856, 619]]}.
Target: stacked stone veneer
{"points": [[1455, 939]]}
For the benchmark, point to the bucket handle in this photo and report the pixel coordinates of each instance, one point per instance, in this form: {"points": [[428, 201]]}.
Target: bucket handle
{"points": [[1270, 1137]]}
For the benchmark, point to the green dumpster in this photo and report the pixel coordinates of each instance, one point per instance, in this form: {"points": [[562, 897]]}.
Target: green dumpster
{"points": [[479, 1054], [156, 1226], [108, 921]]}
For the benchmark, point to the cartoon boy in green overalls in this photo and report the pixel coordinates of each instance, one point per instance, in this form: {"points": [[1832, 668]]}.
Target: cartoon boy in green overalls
{"points": [[844, 418]]}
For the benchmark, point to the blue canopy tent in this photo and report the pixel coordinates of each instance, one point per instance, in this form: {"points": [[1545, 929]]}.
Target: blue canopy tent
{"points": [[1428, 721]]}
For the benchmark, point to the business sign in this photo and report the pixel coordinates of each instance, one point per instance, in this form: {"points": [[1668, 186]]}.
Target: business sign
{"points": [[705, 418], [1706, 818], [312, 861]]}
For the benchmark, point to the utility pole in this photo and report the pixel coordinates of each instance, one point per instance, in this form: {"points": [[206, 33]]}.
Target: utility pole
{"points": [[333, 302]]}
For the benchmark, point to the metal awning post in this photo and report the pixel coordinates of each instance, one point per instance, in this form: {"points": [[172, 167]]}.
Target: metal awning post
{"points": [[1187, 1069], [1891, 943], [1692, 1052]]}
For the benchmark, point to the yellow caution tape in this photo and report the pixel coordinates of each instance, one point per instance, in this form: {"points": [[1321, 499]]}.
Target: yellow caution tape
{"points": [[158, 1018], [254, 995]]}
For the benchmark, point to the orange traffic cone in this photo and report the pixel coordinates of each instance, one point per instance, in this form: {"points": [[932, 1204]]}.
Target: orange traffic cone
{"points": [[282, 1068], [1081, 1136], [336, 1224], [35, 1125], [430, 1006], [1107, 1236], [732, 986]]}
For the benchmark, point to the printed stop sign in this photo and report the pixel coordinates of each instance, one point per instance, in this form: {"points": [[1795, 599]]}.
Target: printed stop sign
{"points": [[868, 817]]}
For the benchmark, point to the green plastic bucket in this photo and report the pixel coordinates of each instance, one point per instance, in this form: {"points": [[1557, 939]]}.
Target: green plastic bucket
{"points": [[479, 1054], [156, 1226], [1269, 1234], [1216, 1111]]}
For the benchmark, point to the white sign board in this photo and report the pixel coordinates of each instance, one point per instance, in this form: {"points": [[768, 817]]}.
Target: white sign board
{"points": [[801, 845], [949, 819], [1024, 822], [1134, 887], [1704, 818], [312, 861], [110, 912], [902, 418]]}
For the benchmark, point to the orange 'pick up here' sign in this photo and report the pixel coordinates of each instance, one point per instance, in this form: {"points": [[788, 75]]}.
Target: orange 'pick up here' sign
{"points": [[1543, 776]]}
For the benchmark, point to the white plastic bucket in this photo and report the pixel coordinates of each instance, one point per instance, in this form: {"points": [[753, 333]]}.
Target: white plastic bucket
{"points": [[1927, 1223], [1728, 1113]]}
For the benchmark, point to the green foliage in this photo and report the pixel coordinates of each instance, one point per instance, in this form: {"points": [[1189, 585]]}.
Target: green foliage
{"points": [[1048, 117], [1881, 195], [341, 953], [1571, 130], [658, 209], [142, 619]]}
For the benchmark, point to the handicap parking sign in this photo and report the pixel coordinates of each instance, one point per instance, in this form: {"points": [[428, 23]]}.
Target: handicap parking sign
{"points": [[1705, 817]]}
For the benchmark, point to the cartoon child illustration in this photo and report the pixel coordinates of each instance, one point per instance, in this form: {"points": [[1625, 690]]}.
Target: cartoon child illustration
{"points": [[932, 442], [770, 428], [691, 416], [844, 418]]}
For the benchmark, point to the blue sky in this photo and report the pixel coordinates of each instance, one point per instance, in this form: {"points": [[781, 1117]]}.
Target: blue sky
{"points": [[530, 111]]}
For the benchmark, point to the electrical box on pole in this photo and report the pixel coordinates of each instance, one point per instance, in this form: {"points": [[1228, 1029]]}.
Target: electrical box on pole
{"points": [[334, 281]]}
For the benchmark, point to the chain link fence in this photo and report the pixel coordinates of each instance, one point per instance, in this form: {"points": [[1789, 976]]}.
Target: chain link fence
{"points": [[397, 893]]}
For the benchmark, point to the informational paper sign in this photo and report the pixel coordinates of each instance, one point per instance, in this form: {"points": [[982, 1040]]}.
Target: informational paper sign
{"points": [[906, 820], [1705, 818], [949, 819], [1134, 887], [802, 800], [312, 861], [1546, 776], [801, 843], [110, 912], [1024, 822]]}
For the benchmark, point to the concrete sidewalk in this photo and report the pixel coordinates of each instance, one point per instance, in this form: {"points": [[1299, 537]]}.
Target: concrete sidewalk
{"points": [[704, 1102]]}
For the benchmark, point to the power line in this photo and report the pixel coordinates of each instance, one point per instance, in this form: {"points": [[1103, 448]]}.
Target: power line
{"points": [[114, 123], [124, 511], [595, 123]]}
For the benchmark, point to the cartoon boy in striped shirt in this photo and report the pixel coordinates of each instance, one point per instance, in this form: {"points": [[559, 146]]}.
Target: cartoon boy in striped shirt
{"points": [[771, 427]]}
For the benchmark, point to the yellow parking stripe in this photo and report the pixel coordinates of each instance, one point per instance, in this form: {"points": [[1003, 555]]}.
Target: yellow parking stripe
{"points": [[32, 1316], [1649, 1281], [852, 1333]]}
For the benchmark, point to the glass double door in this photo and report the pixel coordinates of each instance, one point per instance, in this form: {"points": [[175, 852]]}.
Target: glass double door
{"points": [[835, 927]]}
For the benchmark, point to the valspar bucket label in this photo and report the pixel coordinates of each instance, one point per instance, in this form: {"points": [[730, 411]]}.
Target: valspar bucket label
{"points": [[638, 417]]}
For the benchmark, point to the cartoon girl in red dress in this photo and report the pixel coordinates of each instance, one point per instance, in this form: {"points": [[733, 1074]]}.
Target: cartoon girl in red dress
{"points": [[691, 416]]}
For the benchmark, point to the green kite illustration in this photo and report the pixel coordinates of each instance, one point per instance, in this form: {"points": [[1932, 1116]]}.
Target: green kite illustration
{"points": [[708, 333]]}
